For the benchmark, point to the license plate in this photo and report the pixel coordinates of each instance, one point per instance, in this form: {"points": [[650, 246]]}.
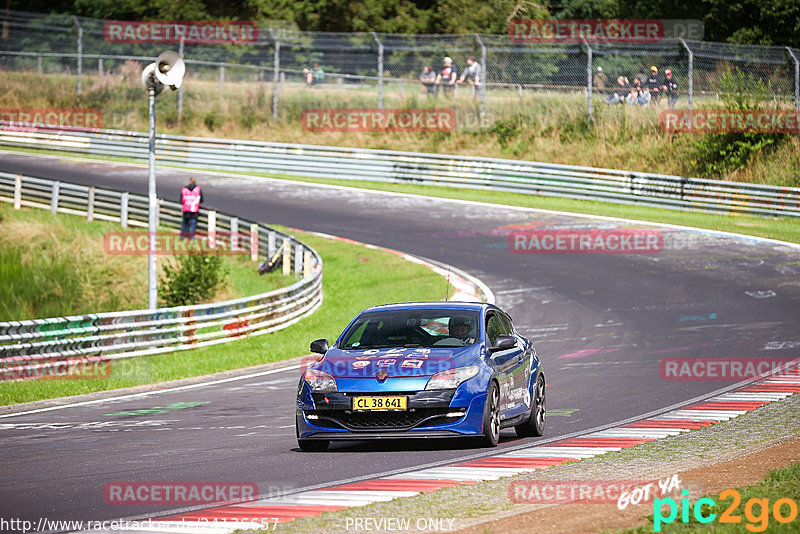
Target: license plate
{"points": [[380, 403]]}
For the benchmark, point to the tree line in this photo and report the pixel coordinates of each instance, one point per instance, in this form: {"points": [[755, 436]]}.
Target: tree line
{"points": [[763, 22]]}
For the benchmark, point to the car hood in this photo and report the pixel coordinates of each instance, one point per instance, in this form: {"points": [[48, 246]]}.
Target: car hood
{"points": [[396, 362]]}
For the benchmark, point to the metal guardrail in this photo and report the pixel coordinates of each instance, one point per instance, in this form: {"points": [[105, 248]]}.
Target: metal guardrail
{"points": [[526, 177], [33, 346]]}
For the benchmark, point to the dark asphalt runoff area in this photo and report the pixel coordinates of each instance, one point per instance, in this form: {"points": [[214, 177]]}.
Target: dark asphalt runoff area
{"points": [[601, 323]]}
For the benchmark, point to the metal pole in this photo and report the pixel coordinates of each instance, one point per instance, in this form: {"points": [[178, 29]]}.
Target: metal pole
{"points": [[180, 89], [380, 70], [483, 75], [691, 73], [276, 65], [152, 293], [796, 78], [588, 79], [80, 61]]}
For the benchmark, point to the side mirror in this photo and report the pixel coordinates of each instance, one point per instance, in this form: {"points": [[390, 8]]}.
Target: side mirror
{"points": [[503, 342], [320, 346]]}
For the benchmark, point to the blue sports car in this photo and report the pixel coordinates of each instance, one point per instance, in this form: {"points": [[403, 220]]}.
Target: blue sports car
{"points": [[422, 370]]}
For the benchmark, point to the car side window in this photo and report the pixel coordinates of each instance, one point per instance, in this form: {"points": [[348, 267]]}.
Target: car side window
{"points": [[494, 328], [507, 326]]}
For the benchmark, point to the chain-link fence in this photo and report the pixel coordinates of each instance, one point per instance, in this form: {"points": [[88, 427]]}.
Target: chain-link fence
{"points": [[271, 77]]}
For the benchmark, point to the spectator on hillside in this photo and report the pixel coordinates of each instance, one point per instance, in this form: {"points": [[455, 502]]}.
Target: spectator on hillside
{"points": [[653, 84], [315, 75], [638, 95], [670, 88], [600, 80], [473, 70], [428, 79], [448, 76], [621, 90]]}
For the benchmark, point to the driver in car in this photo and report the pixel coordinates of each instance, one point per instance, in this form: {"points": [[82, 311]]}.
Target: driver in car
{"points": [[462, 328]]}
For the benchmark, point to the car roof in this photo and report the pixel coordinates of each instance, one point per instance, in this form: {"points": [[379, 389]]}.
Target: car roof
{"points": [[438, 305]]}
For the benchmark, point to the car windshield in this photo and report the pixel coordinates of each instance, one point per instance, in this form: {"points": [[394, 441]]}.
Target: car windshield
{"points": [[412, 328]]}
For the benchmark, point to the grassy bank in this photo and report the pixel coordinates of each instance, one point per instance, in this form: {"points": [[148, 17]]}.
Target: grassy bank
{"points": [[56, 265], [354, 277], [541, 126]]}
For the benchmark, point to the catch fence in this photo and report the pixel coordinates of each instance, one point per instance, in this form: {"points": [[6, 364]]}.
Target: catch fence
{"points": [[380, 70]]}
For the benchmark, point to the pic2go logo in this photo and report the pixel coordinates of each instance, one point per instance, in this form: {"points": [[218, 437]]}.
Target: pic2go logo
{"points": [[783, 511]]}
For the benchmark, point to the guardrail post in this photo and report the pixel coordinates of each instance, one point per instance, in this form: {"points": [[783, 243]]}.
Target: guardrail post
{"points": [[234, 234], [796, 78], [253, 242], [18, 192], [39, 69], [307, 264], [212, 229], [298, 258], [221, 76], [287, 257], [123, 210], [691, 73], [54, 197], [380, 70], [90, 205], [271, 244], [100, 66]]}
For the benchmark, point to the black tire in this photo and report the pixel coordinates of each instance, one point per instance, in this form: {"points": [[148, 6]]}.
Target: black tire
{"points": [[313, 445], [491, 416], [534, 426]]}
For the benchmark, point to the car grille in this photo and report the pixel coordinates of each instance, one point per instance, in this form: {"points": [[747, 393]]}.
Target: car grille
{"points": [[383, 420]]}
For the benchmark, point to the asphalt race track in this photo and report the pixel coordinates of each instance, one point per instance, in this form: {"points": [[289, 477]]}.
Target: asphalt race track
{"points": [[601, 322]]}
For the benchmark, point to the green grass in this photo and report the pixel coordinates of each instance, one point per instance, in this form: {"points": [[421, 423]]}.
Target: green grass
{"points": [[55, 265], [354, 277], [778, 484]]}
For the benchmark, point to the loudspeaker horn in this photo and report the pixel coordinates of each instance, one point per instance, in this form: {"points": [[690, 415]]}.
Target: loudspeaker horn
{"points": [[169, 69]]}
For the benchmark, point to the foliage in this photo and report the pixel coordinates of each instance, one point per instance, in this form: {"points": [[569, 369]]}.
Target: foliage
{"points": [[719, 153], [195, 279], [773, 22]]}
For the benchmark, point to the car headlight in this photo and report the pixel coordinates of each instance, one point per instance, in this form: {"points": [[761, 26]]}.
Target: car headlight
{"points": [[320, 381], [451, 378]]}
